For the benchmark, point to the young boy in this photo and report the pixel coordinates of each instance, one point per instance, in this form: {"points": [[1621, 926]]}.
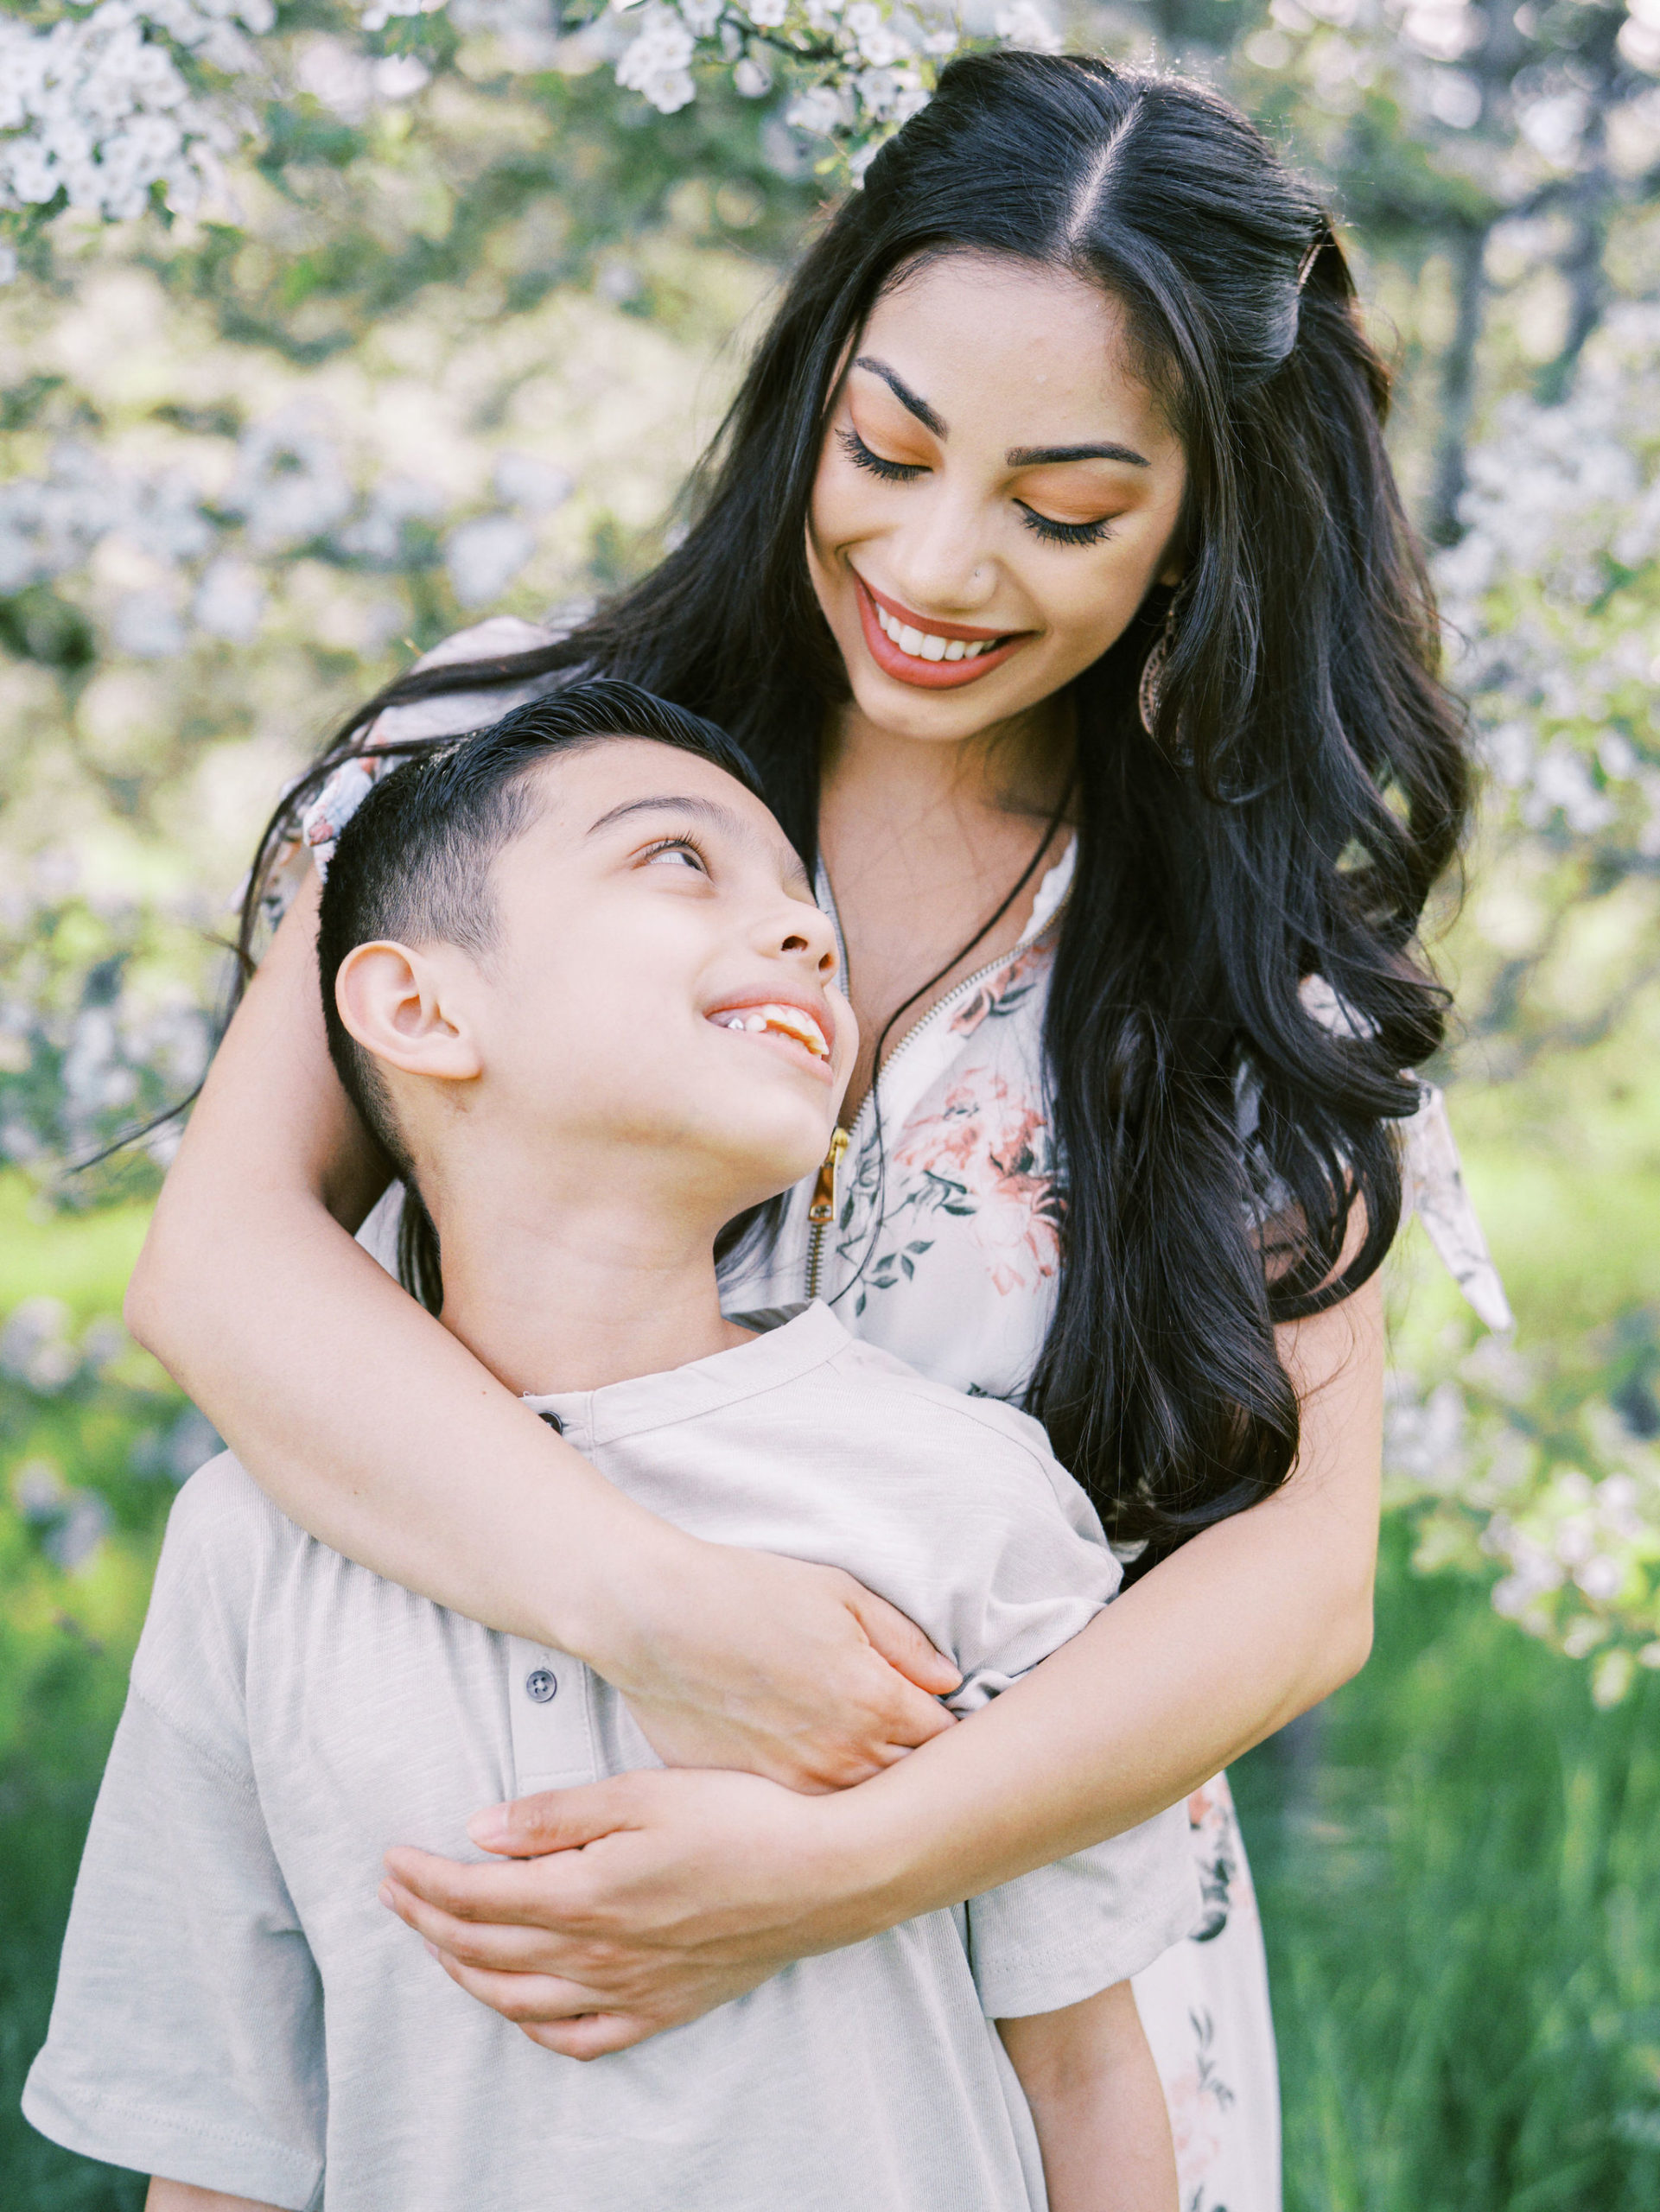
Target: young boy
{"points": [[575, 982]]}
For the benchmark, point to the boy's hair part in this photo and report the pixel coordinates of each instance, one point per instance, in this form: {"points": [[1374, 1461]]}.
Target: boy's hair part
{"points": [[413, 863]]}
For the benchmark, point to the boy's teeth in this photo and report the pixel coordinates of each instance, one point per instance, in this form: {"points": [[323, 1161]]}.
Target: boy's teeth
{"points": [[790, 1020], [922, 645]]}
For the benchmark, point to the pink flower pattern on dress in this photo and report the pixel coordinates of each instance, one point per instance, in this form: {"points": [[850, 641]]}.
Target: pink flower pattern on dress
{"points": [[986, 1153]]}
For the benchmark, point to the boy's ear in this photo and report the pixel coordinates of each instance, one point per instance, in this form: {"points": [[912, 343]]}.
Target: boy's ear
{"points": [[396, 1004]]}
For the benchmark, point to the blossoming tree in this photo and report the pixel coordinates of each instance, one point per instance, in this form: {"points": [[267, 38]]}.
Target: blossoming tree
{"points": [[329, 327]]}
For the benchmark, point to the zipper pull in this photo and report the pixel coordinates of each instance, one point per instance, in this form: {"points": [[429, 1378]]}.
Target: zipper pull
{"points": [[822, 1211]]}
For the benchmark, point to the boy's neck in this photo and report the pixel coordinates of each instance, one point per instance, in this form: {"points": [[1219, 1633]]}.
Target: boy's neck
{"points": [[573, 1290]]}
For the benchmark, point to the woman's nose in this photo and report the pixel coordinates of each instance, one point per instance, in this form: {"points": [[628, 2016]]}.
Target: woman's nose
{"points": [[940, 564]]}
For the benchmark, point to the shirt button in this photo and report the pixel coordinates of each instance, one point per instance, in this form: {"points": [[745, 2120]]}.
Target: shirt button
{"points": [[541, 1685]]}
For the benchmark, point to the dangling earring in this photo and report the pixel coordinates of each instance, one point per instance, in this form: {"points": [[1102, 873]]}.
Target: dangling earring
{"points": [[1152, 684]]}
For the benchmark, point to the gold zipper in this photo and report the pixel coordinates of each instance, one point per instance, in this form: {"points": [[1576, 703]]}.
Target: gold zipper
{"points": [[822, 1212]]}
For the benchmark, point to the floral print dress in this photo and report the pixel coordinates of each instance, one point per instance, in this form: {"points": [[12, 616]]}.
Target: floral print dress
{"points": [[941, 1244]]}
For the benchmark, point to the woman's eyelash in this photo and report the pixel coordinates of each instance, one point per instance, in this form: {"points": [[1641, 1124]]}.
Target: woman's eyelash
{"points": [[1064, 533], [903, 472], [677, 845], [891, 472]]}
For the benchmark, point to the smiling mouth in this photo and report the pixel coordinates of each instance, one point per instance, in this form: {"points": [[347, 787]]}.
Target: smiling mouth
{"points": [[792, 1021], [936, 659], [924, 645]]}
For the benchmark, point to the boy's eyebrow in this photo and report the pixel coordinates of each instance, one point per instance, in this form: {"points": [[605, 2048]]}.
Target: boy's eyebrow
{"points": [[709, 809]]}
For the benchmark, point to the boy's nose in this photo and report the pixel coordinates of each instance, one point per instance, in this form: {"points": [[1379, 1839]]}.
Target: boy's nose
{"points": [[809, 932]]}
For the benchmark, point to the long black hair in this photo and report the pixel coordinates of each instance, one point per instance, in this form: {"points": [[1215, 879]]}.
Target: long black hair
{"points": [[1308, 783]]}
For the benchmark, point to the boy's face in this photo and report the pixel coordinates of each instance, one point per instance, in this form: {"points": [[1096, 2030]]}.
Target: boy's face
{"points": [[662, 982]]}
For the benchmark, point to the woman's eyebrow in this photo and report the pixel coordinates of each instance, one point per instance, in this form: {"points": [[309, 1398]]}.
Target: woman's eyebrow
{"points": [[902, 392], [1045, 456]]}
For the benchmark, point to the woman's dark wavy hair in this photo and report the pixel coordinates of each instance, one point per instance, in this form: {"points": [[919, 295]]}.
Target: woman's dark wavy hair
{"points": [[1309, 784]]}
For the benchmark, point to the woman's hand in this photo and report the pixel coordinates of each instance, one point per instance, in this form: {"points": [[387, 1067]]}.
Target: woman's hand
{"points": [[793, 1672], [657, 1896]]}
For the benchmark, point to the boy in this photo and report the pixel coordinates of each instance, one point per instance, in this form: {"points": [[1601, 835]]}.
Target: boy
{"points": [[575, 983]]}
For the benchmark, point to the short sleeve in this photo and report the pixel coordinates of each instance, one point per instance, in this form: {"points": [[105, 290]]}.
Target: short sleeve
{"points": [[1065, 1932], [186, 2037]]}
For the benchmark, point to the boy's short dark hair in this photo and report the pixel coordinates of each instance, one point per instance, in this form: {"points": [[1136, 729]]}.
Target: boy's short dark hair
{"points": [[413, 864]]}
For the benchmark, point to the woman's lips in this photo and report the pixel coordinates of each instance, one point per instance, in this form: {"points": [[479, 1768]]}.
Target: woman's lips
{"points": [[910, 668]]}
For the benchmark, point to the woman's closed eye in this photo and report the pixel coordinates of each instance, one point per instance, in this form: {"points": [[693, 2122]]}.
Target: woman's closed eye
{"points": [[891, 472], [1052, 531], [1066, 533]]}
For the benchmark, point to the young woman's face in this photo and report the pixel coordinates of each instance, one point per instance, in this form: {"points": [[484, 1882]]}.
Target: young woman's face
{"points": [[996, 493]]}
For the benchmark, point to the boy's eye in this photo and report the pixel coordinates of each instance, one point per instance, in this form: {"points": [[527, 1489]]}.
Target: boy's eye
{"points": [[677, 852]]}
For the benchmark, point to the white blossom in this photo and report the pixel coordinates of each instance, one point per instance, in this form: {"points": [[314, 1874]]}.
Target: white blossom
{"points": [[97, 108], [533, 485], [484, 556], [230, 601], [1026, 23], [657, 63], [290, 485]]}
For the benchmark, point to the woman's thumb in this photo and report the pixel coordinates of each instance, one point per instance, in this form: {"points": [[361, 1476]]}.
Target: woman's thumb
{"points": [[904, 1646], [551, 1820]]}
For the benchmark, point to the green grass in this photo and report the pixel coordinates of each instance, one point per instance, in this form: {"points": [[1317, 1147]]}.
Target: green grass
{"points": [[1464, 1926]]}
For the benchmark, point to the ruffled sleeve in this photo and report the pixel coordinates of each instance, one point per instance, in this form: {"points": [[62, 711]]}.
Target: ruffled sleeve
{"points": [[1432, 1179], [1433, 1187], [450, 715]]}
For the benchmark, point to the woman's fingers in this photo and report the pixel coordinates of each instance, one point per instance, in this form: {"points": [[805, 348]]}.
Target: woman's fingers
{"points": [[528, 2001], [555, 1820], [902, 1644], [559, 2015], [591, 2035], [496, 1947], [525, 1893]]}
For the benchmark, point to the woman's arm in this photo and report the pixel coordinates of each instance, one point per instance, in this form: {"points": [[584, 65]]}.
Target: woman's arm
{"points": [[687, 1889], [374, 1428]]}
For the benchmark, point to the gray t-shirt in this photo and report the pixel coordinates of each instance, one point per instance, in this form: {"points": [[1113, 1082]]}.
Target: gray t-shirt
{"points": [[235, 2008]]}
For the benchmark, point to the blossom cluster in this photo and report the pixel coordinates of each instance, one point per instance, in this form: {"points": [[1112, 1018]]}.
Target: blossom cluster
{"points": [[856, 69], [1512, 1462], [215, 557], [104, 109], [57, 1376], [1551, 598], [101, 1027]]}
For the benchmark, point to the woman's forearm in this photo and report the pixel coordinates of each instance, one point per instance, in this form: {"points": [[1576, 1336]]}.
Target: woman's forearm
{"points": [[1236, 1633]]}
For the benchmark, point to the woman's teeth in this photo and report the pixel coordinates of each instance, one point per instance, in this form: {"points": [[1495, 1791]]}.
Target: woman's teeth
{"points": [[791, 1020], [922, 645]]}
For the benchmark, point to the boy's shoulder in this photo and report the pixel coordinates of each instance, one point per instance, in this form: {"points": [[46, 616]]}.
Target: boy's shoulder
{"points": [[888, 1401], [224, 1535], [222, 1523]]}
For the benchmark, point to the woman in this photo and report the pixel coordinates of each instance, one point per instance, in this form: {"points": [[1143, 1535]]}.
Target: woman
{"points": [[1053, 574]]}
